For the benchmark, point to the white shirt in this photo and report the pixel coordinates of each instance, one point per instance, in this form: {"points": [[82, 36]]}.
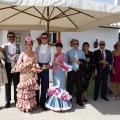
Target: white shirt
{"points": [[12, 47], [43, 50], [76, 59]]}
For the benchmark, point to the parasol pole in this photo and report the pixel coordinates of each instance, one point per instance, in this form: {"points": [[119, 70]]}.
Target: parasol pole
{"points": [[48, 20]]}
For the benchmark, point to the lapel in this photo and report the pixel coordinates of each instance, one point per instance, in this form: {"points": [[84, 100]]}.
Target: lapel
{"points": [[106, 54], [100, 54]]}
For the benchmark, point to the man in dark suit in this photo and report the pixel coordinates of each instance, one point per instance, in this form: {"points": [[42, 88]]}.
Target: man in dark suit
{"points": [[103, 59], [75, 57]]}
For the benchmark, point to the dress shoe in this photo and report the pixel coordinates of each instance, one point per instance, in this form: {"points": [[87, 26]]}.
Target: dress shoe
{"points": [[70, 100], [95, 98], [7, 105], [15, 103], [81, 100], [80, 103], [24, 111], [38, 103], [104, 98], [43, 107], [85, 100]]}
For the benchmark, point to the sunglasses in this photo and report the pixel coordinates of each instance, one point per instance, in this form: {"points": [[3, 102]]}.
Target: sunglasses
{"points": [[75, 43], [44, 38], [117, 44], [101, 44], [11, 36]]}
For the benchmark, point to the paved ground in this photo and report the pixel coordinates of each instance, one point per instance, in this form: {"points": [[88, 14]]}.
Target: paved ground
{"points": [[93, 110]]}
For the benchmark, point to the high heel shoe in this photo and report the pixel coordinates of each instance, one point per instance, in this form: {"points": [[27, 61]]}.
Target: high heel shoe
{"points": [[114, 97], [85, 100], [118, 97]]}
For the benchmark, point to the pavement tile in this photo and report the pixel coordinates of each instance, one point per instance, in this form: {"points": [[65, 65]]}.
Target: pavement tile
{"points": [[93, 110]]}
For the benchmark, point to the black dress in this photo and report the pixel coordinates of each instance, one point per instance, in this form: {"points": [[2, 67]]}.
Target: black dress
{"points": [[90, 67]]}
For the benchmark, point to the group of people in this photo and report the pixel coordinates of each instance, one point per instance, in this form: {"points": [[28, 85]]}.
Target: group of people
{"points": [[31, 70]]}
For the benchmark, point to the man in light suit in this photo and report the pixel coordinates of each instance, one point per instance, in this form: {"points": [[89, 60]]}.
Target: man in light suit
{"points": [[45, 59], [10, 49], [103, 59]]}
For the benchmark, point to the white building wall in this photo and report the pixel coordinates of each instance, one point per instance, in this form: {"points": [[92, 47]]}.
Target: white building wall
{"points": [[22, 34], [110, 36], [1, 40], [35, 34], [4, 36], [117, 2]]}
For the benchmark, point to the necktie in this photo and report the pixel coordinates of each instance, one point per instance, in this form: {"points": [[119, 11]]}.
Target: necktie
{"points": [[103, 56], [76, 59]]}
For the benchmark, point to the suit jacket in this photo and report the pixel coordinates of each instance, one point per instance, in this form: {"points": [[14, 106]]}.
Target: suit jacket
{"points": [[82, 68], [98, 57]]}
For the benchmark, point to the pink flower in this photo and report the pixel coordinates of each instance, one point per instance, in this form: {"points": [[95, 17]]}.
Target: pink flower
{"points": [[28, 38], [58, 41], [64, 96], [51, 92], [56, 93]]}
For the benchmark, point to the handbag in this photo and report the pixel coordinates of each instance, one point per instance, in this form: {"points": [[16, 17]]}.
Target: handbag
{"points": [[4, 79]]}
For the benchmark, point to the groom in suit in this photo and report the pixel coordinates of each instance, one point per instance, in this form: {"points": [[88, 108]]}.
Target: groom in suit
{"points": [[103, 59]]}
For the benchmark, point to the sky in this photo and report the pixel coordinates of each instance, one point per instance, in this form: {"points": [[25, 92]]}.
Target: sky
{"points": [[106, 1]]}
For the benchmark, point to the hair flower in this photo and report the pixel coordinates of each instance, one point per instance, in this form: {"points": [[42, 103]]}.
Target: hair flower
{"points": [[28, 38], [58, 41]]}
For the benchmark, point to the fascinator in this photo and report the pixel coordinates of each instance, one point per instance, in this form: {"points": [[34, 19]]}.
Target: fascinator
{"points": [[58, 41], [59, 44], [29, 39]]}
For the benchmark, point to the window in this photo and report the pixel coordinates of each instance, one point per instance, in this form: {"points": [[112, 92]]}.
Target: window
{"points": [[53, 36]]}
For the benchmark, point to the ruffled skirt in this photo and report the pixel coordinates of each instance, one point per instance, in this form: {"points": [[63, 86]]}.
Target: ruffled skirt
{"points": [[26, 99], [59, 100]]}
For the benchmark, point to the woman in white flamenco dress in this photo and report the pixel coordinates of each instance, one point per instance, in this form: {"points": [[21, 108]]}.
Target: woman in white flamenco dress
{"points": [[28, 67]]}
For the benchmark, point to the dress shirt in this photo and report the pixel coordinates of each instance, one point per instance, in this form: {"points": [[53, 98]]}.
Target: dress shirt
{"points": [[43, 50], [103, 53], [71, 53], [76, 59], [12, 47]]}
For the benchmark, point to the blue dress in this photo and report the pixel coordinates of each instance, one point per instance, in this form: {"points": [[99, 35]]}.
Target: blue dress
{"points": [[59, 98]]}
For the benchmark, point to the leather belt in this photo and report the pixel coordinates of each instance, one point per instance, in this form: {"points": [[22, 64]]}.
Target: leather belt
{"points": [[41, 64], [75, 70]]}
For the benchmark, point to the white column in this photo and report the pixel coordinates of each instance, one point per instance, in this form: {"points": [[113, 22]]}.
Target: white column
{"points": [[4, 36], [117, 2], [35, 34], [1, 41]]}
